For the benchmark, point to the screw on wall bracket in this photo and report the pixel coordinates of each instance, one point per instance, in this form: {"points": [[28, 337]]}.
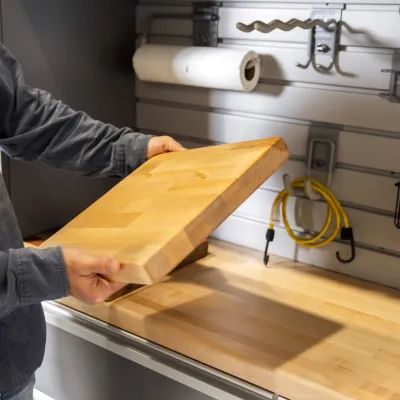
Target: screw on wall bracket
{"points": [[323, 48], [318, 164]]}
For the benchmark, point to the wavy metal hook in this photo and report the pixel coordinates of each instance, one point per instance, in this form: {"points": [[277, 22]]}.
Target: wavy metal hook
{"points": [[284, 26], [311, 25]]}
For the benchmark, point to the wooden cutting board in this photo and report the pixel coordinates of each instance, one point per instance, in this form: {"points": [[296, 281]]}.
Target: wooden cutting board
{"points": [[166, 208]]}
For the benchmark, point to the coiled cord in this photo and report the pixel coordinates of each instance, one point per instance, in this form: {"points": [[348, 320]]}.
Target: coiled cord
{"points": [[335, 212]]}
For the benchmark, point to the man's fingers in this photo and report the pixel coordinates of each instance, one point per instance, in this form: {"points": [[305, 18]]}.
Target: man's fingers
{"points": [[173, 145], [162, 144], [103, 266], [105, 289]]}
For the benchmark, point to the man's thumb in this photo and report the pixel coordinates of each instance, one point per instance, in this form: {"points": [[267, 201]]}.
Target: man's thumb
{"points": [[104, 266]]}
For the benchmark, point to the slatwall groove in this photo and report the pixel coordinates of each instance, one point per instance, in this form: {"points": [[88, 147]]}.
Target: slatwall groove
{"points": [[194, 141], [358, 244], [350, 4], [338, 107], [295, 135], [369, 265], [274, 184], [287, 102], [212, 110]]}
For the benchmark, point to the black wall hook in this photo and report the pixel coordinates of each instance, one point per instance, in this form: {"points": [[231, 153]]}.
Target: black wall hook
{"points": [[270, 238], [397, 209], [347, 234]]}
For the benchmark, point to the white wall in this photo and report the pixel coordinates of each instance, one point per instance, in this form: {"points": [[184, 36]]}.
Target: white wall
{"points": [[285, 103]]}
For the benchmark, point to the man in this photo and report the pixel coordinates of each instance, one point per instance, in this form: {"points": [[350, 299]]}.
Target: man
{"points": [[34, 126]]}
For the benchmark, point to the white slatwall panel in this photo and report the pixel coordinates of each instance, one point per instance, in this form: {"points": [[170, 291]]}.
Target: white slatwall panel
{"points": [[286, 102], [229, 128], [357, 69], [335, 107], [361, 27]]}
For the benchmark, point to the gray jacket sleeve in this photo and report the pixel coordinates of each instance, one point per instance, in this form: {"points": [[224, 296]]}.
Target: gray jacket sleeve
{"points": [[35, 126], [30, 276]]}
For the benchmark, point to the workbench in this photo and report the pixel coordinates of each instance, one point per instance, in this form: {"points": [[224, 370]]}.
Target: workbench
{"points": [[235, 329]]}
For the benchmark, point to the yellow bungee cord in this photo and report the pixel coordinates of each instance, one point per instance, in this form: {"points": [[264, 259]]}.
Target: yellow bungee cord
{"points": [[335, 211]]}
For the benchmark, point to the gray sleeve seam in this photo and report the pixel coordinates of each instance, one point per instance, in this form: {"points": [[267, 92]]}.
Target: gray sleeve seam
{"points": [[20, 283], [119, 164], [63, 271]]}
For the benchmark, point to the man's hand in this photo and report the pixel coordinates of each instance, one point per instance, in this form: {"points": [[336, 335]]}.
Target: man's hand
{"points": [[162, 144], [85, 281]]}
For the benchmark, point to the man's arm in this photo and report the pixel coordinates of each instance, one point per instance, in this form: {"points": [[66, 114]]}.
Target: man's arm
{"points": [[29, 276], [35, 126]]}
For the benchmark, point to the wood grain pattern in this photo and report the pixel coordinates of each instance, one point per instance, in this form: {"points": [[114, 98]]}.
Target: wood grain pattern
{"points": [[305, 333], [197, 254], [159, 214]]}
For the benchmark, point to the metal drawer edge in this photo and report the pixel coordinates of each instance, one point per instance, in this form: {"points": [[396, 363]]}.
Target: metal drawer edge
{"points": [[184, 370]]}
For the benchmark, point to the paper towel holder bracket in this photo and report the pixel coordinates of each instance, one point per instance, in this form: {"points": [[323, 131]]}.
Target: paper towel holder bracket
{"points": [[205, 23], [205, 19]]}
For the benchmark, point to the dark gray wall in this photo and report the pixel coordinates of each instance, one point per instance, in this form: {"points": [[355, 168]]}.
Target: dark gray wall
{"points": [[80, 51], [77, 370]]}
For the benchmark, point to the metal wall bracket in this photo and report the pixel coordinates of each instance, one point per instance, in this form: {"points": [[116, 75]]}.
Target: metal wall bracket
{"points": [[393, 94], [321, 156], [321, 152], [205, 18], [323, 41], [205, 23], [320, 160]]}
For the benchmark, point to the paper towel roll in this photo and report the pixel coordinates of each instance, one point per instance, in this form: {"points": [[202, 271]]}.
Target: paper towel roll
{"points": [[210, 67]]}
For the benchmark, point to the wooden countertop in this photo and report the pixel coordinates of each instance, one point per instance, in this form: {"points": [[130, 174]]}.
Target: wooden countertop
{"points": [[296, 330]]}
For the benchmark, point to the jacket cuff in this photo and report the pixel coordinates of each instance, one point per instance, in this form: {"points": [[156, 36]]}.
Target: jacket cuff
{"points": [[131, 152], [42, 275]]}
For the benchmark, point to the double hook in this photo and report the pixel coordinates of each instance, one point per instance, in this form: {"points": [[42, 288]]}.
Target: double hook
{"points": [[346, 233], [321, 48], [309, 184]]}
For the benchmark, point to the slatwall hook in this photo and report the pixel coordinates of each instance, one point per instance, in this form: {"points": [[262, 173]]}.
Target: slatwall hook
{"points": [[296, 192], [347, 234], [287, 183], [397, 207], [310, 47], [308, 190], [324, 48]]}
